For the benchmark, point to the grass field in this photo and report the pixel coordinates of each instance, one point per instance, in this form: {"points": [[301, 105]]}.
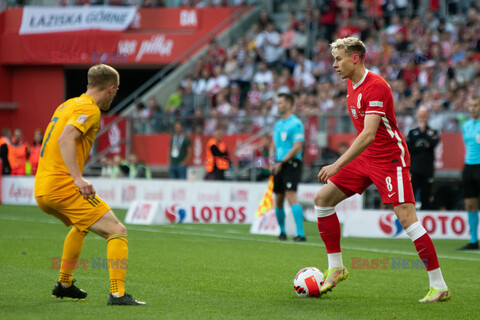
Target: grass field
{"points": [[191, 271]]}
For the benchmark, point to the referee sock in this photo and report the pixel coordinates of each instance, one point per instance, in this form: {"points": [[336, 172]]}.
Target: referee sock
{"points": [[473, 225], [71, 251], [298, 217], [280, 213], [117, 255]]}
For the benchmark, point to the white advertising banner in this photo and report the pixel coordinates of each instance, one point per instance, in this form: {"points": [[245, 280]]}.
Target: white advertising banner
{"points": [[384, 224], [146, 212], [61, 19], [197, 201], [267, 224]]}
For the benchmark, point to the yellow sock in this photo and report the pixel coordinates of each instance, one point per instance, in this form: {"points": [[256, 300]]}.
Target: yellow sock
{"points": [[71, 251], [117, 254]]}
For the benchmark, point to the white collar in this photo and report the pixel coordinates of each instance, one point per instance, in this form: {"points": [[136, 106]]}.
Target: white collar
{"points": [[355, 86]]}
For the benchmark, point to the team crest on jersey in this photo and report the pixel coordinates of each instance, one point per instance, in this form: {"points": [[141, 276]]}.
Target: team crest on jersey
{"points": [[283, 136], [82, 119], [354, 112]]}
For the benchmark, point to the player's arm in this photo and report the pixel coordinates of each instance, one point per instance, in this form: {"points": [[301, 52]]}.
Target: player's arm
{"points": [[362, 141], [66, 143]]}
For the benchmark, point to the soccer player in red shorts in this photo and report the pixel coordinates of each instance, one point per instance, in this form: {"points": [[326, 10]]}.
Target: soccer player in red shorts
{"points": [[378, 155]]}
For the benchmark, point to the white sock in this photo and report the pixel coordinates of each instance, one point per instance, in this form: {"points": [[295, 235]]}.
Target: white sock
{"points": [[436, 279], [335, 260]]}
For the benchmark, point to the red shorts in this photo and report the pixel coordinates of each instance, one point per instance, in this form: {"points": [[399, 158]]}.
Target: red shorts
{"points": [[392, 180]]}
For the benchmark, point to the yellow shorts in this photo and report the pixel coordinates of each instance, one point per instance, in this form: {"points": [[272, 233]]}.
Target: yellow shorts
{"points": [[74, 209]]}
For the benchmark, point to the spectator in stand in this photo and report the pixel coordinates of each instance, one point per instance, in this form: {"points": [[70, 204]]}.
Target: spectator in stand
{"points": [[153, 4], [187, 105], [421, 142], [222, 105], [287, 37], [471, 171], [137, 169], [254, 96], [5, 141], [217, 159], [198, 122], [173, 102], [268, 45], [264, 75], [19, 153], [300, 39], [264, 19], [35, 149], [211, 123], [139, 119], [107, 167], [157, 116], [217, 82], [215, 53], [119, 169], [201, 85]]}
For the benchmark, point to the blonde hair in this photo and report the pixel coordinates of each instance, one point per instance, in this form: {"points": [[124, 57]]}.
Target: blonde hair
{"points": [[350, 45], [101, 75]]}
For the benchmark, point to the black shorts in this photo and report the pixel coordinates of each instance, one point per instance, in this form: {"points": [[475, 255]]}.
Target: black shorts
{"points": [[471, 181], [288, 178]]}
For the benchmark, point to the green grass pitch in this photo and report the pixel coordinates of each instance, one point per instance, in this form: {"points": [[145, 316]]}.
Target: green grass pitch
{"points": [[188, 271]]}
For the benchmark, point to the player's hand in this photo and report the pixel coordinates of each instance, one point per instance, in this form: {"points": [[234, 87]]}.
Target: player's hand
{"points": [[327, 172], [277, 168], [85, 187]]}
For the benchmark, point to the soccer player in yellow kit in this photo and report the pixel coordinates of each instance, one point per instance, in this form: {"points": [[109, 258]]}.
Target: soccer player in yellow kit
{"points": [[61, 190]]}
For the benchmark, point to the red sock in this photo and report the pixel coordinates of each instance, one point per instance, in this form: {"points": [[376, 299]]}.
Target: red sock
{"points": [[329, 228], [426, 252]]}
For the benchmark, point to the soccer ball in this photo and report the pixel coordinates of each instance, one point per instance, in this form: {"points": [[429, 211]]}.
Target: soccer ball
{"points": [[307, 282]]}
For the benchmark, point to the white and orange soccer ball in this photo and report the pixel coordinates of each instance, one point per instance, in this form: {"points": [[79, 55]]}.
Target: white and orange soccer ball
{"points": [[307, 282]]}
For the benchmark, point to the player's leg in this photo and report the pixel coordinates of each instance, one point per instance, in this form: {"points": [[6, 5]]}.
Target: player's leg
{"points": [[329, 228], [297, 212], [351, 179], [72, 247], [292, 173], [407, 216], [393, 184], [471, 205], [471, 186], [279, 191], [280, 214], [115, 232]]}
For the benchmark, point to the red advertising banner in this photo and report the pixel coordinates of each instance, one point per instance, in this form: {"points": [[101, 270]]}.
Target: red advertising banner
{"points": [[156, 36], [154, 149], [113, 138]]}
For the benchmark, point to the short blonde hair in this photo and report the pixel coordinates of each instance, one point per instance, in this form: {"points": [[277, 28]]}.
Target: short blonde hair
{"points": [[350, 45], [101, 75]]}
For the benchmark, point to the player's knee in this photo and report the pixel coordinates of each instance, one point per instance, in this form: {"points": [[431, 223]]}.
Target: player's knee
{"points": [[320, 200], [121, 229]]}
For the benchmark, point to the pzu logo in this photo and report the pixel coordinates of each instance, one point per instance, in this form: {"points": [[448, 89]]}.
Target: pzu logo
{"points": [[390, 225], [175, 214]]}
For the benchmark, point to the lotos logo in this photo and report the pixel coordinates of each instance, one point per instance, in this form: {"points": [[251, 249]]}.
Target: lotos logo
{"points": [[390, 224], [175, 214]]}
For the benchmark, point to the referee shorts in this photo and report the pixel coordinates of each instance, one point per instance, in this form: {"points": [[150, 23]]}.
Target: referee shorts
{"points": [[471, 180]]}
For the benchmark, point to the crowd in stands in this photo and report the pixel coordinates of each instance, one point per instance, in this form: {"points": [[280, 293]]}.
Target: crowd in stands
{"points": [[427, 59]]}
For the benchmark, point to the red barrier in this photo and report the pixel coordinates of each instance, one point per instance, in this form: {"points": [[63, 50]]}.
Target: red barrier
{"points": [[154, 149]]}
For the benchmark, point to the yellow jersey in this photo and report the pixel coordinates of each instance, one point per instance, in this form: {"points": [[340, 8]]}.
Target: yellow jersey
{"points": [[53, 177]]}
